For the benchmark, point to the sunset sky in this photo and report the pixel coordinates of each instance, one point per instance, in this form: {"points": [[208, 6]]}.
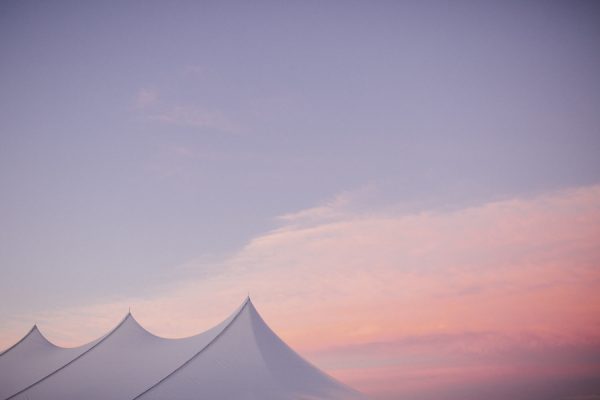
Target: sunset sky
{"points": [[409, 190]]}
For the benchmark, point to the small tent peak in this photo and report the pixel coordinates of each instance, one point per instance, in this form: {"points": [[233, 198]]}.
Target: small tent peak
{"points": [[34, 334], [130, 317], [128, 320], [35, 330]]}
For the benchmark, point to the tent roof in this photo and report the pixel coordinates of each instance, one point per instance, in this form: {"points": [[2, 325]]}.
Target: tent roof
{"points": [[240, 358]]}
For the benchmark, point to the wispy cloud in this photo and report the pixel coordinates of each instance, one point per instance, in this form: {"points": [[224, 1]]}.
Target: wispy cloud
{"points": [[149, 105], [345, 205], [195, 117]]}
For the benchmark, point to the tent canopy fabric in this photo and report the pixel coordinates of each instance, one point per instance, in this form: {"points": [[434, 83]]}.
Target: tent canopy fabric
{"points": [[240, 358]]}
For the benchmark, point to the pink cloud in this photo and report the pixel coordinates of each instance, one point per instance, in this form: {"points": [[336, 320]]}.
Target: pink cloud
{"points": [[398, 303]]}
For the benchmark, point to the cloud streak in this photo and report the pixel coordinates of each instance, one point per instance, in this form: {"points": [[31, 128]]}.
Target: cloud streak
{"points": [[194, 117], [152, 108]]}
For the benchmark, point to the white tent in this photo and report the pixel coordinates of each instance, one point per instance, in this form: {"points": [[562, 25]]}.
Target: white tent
{"points": [[241, 358]]}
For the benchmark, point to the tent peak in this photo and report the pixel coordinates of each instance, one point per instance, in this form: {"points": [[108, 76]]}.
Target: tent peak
{"points": [[33, 333], [36, 330]]}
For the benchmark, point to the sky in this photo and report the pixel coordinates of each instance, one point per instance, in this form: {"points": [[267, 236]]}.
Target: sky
{"points": [[409, 190]]}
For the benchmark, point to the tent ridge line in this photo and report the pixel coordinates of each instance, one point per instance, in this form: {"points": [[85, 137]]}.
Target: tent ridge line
{"points": [[70, 362], [197, 353]]}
